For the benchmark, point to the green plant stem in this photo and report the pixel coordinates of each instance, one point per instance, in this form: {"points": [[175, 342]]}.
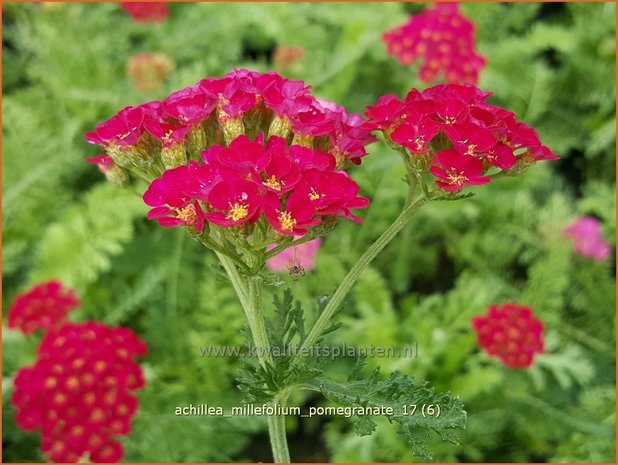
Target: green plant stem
{"points": [[249, 290], [256, 319], [348, 282], [276, 429]]}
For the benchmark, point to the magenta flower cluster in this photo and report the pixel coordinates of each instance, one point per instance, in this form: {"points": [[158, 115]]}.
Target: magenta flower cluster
{"points": [[216, 110], [293, 188], [444, 39], [462, 137], [230, 151]]}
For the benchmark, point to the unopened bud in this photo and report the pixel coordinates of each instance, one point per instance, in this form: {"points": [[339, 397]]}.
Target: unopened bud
{"points": [[280, 126], [196, 140], [303, 141], [232, 126], [174, 155]]}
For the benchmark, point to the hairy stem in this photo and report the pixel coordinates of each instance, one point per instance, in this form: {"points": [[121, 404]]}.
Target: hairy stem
{"points": [[348, 282], [276, 429], [256, 319], [249, 290]]}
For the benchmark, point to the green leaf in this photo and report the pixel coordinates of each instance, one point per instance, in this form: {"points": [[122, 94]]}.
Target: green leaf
{"points": [[400, 392]]}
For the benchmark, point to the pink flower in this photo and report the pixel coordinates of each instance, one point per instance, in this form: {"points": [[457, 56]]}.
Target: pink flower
{"points": [[45, 306], [123, 129], [295, 218], [444, 39], [146, 12], [241, 100], [304, 254], [586, 234], [281, 174], [455, 170], [385, 113], [243, 155], [189, 106], [416, 133], [79, 392], [331, 193], [511, 333], [173, 198], [458, 118], [104, 162], [238, 201]]}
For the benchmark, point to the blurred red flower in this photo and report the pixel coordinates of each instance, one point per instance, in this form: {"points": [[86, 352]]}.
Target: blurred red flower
{"points": [[444, 39], [79, 391], [511, 333], [43, 307], [146, 12]]}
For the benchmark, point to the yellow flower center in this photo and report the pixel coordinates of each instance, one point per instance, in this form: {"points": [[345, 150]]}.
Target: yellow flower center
{"points": [[286, 221], [314, 195], [273, 183], [187, 215], [457, 179], [238, 211]]}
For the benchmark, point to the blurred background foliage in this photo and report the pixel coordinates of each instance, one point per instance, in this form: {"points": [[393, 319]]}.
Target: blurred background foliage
{"points": [[64, 70]]}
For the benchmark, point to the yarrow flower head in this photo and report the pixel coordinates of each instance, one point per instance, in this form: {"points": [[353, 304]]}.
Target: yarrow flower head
{"points": [[302, 255], [253, 153], [146, 12], [588, 241], [286, 56], [511, 333], [444, 39], [451, 130], [149, 70], [43, 307], [79, 392]]}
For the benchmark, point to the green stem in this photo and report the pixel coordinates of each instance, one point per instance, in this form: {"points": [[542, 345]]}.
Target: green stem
{"points": [[256, 319], [344, 288], [278, 440], [237, 282], [249, 292]]}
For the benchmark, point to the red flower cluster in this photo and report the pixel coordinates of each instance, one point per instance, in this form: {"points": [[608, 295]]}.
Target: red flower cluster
{"points": [[45, 306], [293, 187], [444, 39], [469, 135], [511, 333], [79, 391], [215, 111], [146, 12]]}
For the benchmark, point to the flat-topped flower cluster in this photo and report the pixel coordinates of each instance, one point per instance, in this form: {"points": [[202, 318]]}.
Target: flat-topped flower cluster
{"points": [[511, 333], [444, 39], [229, 151], [43, 307], [458, 134], [79, 391]]}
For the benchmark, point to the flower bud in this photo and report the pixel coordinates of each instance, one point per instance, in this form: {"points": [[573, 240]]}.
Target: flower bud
{"points": [[303, 141], [196, 140], [174, 156], [111, 170], [280, 126], [232, 126]]}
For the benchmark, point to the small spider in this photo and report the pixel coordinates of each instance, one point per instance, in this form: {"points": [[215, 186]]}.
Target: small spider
{"points": [[295, 269]]}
